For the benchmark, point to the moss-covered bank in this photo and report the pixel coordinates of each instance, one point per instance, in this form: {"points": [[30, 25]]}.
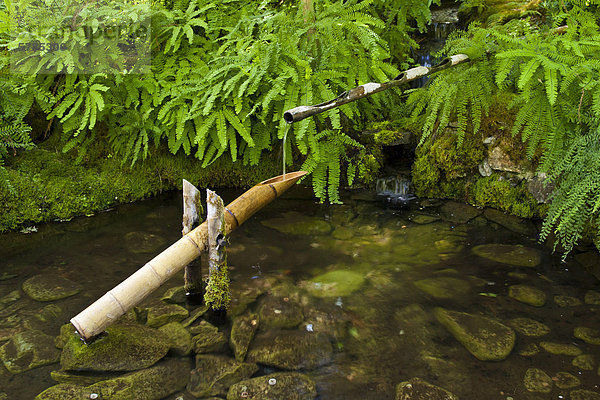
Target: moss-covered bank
{"points": [[46, 184]]}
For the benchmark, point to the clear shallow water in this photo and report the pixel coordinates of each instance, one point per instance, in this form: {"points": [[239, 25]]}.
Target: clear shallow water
{"points": [[391, 332]]}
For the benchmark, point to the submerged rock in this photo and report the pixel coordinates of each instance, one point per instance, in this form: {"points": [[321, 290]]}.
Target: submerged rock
{"points": [[66, 331], [530, 350], [242, 333], [458, 213], [144, 242], [423, 219], [560, 348], [281, 385], [444, 287], [567, 301], [485, 338], [342, 233], [418, 389], [291, 350], [161, 313], [275, 312], [511, 222], [584, 361], [516, 255], [207, 338], [336, 283], [588, 335], [298, 224], [124, 348], [592, 297], [180, 338], [565, 380], [153, 383], [27, 350], [50, 287], [528, 295], [529, 327], [582, 394], [175, 295], [80, 378], [214, 375], [536, 380]]}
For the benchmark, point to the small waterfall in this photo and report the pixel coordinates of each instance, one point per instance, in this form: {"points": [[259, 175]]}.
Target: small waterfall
{"points": [[395, 191]]}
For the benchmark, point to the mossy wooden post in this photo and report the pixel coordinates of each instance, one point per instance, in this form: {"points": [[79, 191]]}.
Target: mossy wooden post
{"points": [[217, 288], [191, 219]]}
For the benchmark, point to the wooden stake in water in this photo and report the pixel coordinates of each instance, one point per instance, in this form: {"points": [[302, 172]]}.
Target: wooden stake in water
{"points": [[191, 219], [217, 288]]}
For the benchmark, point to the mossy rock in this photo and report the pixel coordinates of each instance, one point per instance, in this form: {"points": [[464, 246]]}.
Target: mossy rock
{"points": [[485, 338], [180, 338], [516, 255], [242, 333], [529, 327], [161, 313], [66, 332], [567, 301], [444, 287], [144, 242], [584, 361], [214, 375], [174, 295], [564, 349], [418, 389], [582, 394], [342, 233], [592, 297], [27, 350], [275, 312], [291, 350], [81, 378], [50, 312], [565, 380], [529, 350], [588, 335], [123, 348], [528, 295], [536, 380], [336, 283], [157, 382], [298, 224], [423, 219], [280, 385], [50, 287], [458, 213], [207, 338]]}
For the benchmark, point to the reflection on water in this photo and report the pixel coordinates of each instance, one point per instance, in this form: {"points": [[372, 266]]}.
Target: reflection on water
{"points": [[394, 279]]}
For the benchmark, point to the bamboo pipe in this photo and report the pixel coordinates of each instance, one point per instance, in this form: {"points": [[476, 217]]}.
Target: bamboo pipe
{"points": [[94, 319], [301, 112]]}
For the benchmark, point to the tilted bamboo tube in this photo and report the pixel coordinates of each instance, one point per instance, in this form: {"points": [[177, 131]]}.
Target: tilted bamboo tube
{"points": [[93, 320], [299, 113]]}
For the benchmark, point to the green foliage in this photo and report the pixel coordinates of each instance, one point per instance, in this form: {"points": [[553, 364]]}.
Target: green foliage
{"points": [[555, 79]]}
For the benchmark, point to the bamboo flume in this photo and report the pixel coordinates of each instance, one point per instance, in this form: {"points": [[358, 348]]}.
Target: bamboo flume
{"points": [[94, 319], [301, 112]]}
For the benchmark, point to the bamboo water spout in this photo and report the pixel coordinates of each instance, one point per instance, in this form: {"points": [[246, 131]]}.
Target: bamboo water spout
{"points": [[94, 319]]}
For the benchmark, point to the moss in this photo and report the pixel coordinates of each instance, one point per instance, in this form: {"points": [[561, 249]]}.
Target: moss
{"points": [[47, 184], [494, 191], [217, 294]]}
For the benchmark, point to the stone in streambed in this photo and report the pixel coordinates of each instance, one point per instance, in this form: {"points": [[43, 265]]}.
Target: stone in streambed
{"points": [[582, 394], [418, 389], [275, 312], [153, 383], [584, 361], [342, 233], [485, 338], [214, 375], [536, 380], [124, 348], [207, 338], [592, 297], [298, 224], [444, 287], [291, 350], [27, 350], [242, 333], [175, 295], [336, 283], [511, 222], [281, 385], [458, 213], [588, 335], [564, 349], [81, 378], [529, 327], [50, 287], [180, 338], [528, 295], [516, 255], [567, 301], [66, 331], [161, 313], [144, 242], [565, 380]]}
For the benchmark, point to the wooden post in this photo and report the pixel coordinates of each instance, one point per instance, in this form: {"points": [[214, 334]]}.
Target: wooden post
{"points": [[217, 287], [93, 320], [191, 219]]}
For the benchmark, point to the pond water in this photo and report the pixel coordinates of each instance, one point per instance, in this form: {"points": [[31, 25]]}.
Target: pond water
{"points": [[379, 282]]}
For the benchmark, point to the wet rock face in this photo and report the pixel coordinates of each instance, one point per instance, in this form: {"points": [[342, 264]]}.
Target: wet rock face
{"points": [[516, 255], [444, 287], [124, 348], [282, 385], [536, 380], [242, 333], [214, 375], [274, 313], [27, 350], [528, 295], [144, 242], [418, 389], [485, 338], [291, 350], [153, 383], [50, 287]]}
